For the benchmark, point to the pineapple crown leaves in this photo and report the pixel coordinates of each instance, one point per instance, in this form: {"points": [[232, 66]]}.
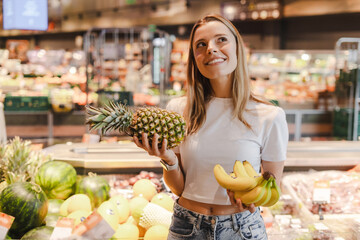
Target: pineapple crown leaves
{"points": [[114, 116], [18, 162]]}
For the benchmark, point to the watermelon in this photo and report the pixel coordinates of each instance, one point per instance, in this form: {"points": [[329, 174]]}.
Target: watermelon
{"points": [[54, 206], [39, 233], [27, 203], [57, 179], [51, 219], [96, 187]]}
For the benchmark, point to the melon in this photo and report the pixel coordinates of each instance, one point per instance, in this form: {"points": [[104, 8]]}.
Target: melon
{"points": [[79, 216], [144, 188], [123, 207], [51, 219], [96, 187], [57, 179], [137, 205], [157, 232], [78, 202], [39, 233], [27, 203], [109, 213], [54, 206], [127, 231], [164, 200]]}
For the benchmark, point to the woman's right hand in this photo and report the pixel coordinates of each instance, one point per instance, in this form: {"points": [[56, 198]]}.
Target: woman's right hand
{"points": [[165, 154], [239, 204]]}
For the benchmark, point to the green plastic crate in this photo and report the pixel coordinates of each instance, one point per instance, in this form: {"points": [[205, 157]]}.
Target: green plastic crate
{"points": [[123, 97], [341, 123], [24, 103]]}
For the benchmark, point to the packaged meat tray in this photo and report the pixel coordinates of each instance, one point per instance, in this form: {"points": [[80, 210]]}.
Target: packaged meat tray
{"points": [[344, 194]]}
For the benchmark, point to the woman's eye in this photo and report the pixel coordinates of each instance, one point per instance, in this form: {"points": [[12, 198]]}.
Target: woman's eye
{"points": [[200, 44], [222, 39]]}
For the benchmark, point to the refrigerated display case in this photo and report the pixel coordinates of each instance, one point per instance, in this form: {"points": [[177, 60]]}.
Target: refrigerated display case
{"points": [[294, 78], [346, 114]]}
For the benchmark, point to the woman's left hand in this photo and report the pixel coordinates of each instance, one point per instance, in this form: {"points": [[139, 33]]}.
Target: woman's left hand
{"points": [[239, 204]]}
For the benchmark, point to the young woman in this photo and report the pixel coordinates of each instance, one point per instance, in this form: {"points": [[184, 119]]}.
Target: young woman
{"points": [[225, 122]]}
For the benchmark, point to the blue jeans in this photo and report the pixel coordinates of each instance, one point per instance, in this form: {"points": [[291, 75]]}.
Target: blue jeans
{"points": [[188, 225]]}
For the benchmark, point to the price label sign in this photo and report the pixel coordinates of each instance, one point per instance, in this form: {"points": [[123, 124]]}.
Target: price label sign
{"points": [[94, 227], [63, 228], [5, 223], [321, 193]]}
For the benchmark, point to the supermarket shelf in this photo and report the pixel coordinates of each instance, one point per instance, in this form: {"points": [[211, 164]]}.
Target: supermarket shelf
{"points": [[113, 157], [50, 120]]}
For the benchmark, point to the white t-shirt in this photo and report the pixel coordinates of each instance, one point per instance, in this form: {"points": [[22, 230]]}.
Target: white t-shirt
{"points": [[223, 139]]}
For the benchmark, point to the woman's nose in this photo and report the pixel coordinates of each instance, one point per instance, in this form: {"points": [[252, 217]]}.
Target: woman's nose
{"points": [[211, 48]]}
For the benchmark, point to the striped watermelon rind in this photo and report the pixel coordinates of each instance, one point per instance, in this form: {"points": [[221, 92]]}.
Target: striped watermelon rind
{"points": [[39, 233], [96, 187], [57, 179], [27, 203]]}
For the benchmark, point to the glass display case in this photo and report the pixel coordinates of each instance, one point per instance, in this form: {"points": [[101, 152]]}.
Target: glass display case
{"points": [[294, 78]]}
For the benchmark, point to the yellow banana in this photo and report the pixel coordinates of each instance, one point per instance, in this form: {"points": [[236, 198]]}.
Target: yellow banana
{"points": [[233, 184], [239, 169], [267, 195], [232, 174], [275, 195], [254, 194], [249, 169]]}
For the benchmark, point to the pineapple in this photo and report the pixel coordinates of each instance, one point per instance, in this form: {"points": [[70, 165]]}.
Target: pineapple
{"points": [[18, 162], [151, 120]]}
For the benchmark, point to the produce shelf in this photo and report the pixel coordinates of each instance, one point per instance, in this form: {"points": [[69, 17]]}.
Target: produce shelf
{"points": [[105, 158], [126, 156]]}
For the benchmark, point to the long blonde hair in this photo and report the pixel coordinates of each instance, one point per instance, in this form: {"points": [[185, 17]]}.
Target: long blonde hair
{"points": [[199, 90]]}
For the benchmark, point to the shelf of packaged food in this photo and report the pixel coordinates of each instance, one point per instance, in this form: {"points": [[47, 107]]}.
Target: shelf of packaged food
{"points": [[126, 155]]}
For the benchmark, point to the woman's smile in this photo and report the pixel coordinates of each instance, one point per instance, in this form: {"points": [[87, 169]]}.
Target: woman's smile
{"points": [[215, 61]]}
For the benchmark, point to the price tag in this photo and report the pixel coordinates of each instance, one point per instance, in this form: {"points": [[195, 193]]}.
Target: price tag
{"points": [[63, 228], [94, 227], [5, 223], [321, 193]]}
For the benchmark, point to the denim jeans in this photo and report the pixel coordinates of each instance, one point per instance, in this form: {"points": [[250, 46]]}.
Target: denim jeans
{"points": [[188, 225]]}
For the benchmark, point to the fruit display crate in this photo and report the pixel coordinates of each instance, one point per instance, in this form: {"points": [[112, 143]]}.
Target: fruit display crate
{"points": [[26, 103], [341, 223], [123, 97]]}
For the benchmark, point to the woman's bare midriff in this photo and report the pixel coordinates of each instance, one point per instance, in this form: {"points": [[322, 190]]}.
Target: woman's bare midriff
{"points": [[207, 209]]}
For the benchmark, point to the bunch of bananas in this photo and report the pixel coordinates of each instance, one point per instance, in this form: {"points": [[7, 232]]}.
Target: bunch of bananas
{"points": [[248, 185]]}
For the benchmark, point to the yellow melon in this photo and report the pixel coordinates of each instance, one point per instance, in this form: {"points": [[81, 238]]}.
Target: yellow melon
{"points": [[137, 205], [78, 202], [144, 188], [156, 232], [142, 230], [63, 208], [109, 212], [123, 207], [126, 231], [79, 216], [164, 200]]}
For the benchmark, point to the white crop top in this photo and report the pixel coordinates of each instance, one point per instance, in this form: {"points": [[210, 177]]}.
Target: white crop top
{"points": [[223, 139]]}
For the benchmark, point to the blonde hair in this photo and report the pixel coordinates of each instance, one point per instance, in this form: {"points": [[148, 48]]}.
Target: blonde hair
{"points": [[199, 90]]}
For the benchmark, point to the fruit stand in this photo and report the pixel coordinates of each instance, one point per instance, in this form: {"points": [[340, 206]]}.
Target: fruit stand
{"points": [[82, 181]]}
